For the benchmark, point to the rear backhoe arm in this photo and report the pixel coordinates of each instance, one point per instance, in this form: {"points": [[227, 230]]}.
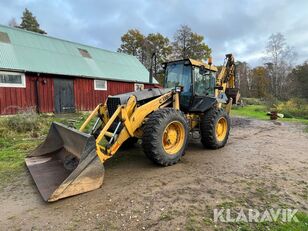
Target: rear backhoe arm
{"points": [[226, 77], [130, 119], [225, 81]]}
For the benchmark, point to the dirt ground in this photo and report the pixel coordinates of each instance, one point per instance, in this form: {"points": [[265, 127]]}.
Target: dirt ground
{"points": [[264, 165]]}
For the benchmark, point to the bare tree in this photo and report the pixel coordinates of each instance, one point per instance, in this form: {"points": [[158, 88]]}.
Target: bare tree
{"points": [[12, 23], [280, 59], [244, 77]]}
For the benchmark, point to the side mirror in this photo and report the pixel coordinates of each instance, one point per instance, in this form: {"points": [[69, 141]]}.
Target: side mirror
{"points": [[179, 88], [219, 88]]}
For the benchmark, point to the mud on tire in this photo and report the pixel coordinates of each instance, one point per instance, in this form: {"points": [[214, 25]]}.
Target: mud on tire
{"points": [[154, 130]]}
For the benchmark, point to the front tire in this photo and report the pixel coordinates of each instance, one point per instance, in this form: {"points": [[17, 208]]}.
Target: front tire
{"points": [[165, 136], [215, 128]]}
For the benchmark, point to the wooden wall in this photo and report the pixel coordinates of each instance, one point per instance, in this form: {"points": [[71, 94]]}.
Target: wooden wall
{"points": [[13, 100]]}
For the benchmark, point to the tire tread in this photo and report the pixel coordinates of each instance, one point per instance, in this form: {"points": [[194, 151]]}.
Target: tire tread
{"points": [[151, 136], [207, 128]]}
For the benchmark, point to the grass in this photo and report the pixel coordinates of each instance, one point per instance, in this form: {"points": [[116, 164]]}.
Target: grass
{"points": [[18, 138], [252, 111], [274, 226], [259, 112], [199, 222], [12, 155], [166, 216]]}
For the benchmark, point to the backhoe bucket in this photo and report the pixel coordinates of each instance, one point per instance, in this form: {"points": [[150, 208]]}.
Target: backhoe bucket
{"points": [[65, 164], [233, 93]]}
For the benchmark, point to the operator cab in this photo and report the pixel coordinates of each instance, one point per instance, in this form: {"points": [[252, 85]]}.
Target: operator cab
{"points": [[197, 79]]}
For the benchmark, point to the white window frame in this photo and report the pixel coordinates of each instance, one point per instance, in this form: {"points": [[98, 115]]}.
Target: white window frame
{"points": [[18, 85], [138, 84], [98, 88]]}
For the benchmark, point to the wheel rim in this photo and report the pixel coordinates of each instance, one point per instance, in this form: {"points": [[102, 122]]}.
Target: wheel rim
{"points": [[173, 137], [221, 129]]}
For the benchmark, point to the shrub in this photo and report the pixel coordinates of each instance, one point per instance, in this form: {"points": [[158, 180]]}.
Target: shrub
{"points": [[294, 107], [23, 122], [271, 103], [252, 101], [3, 129]]}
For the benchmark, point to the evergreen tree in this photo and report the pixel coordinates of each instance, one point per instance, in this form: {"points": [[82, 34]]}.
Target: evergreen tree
{"points": [[29, 22], [188, 44]]}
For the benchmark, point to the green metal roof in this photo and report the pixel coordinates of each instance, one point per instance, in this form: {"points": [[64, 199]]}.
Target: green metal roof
{"points": [[32, 52]]}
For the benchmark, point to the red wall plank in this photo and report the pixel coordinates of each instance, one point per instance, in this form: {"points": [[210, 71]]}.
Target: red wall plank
{"points": [[13, 100], [86, 98]]}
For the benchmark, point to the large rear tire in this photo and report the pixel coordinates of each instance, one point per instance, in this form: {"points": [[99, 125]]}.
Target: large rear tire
{"points": [[215, 128], [165, 136]]}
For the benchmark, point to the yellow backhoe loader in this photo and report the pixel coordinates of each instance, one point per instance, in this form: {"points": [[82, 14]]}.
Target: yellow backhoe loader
{"points": [[69, 161]]}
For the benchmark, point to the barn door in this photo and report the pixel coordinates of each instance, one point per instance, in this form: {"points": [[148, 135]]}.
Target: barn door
{"points": [[64, 95]]}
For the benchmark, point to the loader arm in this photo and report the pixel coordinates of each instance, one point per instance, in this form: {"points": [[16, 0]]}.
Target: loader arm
{"points": [[131, 117], [69, 161]]}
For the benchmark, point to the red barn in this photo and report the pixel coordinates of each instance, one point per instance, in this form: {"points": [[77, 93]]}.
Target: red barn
{"points": [[54, 75]]}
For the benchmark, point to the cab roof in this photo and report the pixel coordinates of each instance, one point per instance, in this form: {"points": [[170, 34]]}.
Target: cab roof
{"points": [[197, 63]]}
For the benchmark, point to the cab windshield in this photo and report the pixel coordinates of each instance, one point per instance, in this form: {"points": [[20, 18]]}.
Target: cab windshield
{"points": [[178, 74], [204, 82]]}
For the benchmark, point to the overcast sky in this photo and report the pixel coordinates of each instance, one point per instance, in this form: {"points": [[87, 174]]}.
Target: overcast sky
{"points": [[241, 27]]}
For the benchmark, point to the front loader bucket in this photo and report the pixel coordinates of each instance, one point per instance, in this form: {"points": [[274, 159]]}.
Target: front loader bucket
{"points": [[65, 164]]}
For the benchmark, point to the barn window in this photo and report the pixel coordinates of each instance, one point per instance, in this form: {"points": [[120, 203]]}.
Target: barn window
{"points": [[84, 53], [139, 86], [100, 84], [4, 37], [12, 79]]}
